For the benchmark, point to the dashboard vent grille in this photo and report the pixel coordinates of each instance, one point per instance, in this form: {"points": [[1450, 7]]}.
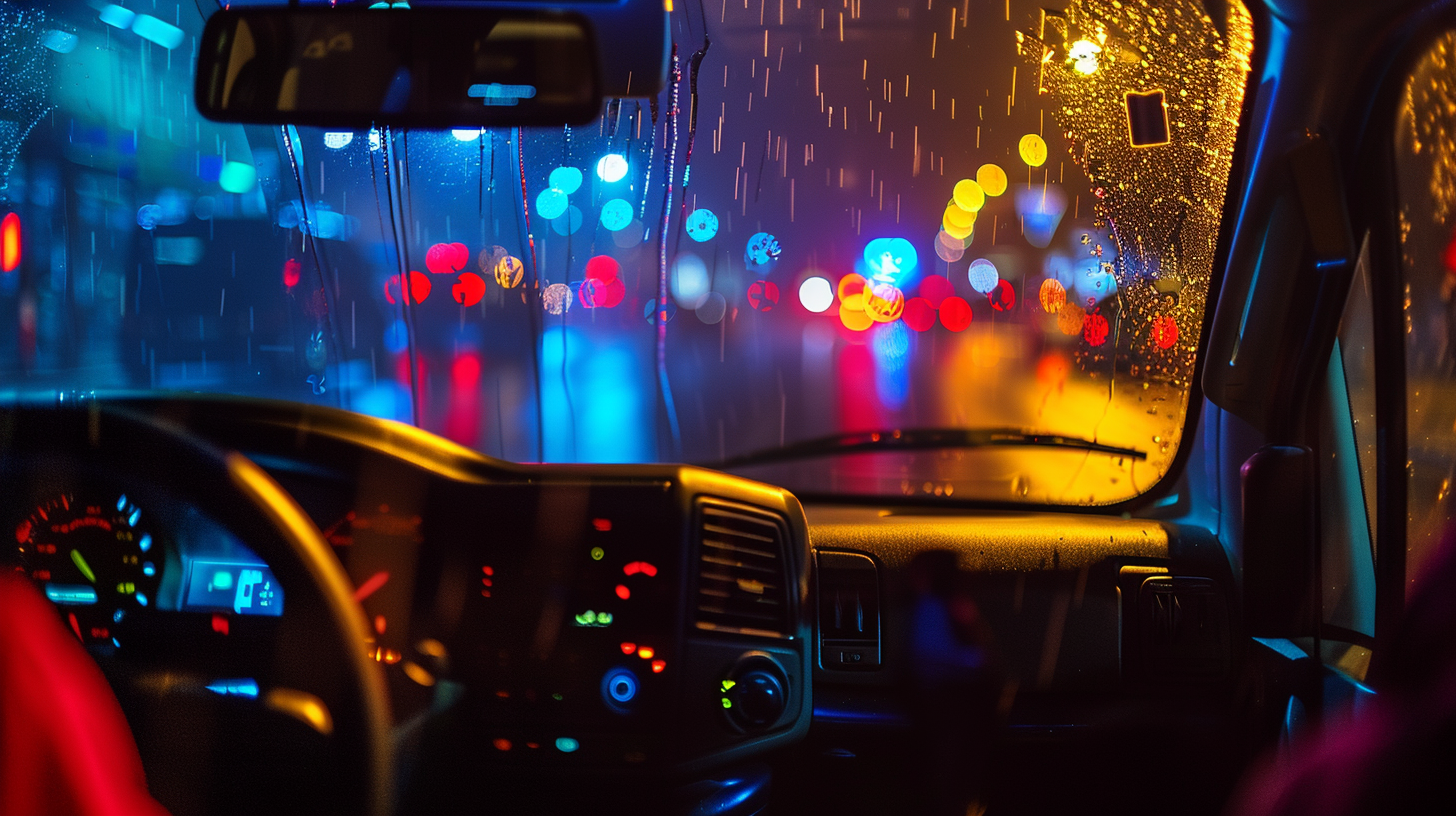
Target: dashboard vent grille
{"points": [[742, 579]]}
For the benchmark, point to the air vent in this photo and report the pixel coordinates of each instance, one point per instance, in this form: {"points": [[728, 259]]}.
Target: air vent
{"points": [[849, 611], [742, 578]]}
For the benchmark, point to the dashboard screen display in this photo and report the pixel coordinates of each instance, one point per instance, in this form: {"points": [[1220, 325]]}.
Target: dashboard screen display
{"points": [[226, 586]]}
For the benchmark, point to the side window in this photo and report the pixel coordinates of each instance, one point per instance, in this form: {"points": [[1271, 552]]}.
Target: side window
{"points": [[1347, 481], [1425, 158]]}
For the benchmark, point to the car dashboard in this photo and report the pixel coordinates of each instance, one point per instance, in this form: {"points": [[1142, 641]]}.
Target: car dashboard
{"points": [[538, 623]]}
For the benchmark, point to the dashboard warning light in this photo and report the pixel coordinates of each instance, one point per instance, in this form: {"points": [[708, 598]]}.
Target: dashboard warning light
{"points": [[658, 665], [220, 623], [629, 648], [645, 652], [623, 592], [502, 744], [642, 567], [602, 525]]}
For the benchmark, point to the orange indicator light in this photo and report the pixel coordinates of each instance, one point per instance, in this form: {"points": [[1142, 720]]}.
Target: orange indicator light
{"points": [[629, 648], [623, 592], [645, 652], [379, 624], [502, 744], [658, 666], [9, 243]]}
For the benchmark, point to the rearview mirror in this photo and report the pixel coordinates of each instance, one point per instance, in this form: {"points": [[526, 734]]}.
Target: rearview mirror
{"points": [[426, 68]]}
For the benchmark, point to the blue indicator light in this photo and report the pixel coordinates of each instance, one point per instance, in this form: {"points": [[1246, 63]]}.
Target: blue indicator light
{"points": [[146, 542], [116, 643], [117, 616], [566, 744], [242, 687], [141, 598], [121, 503], [135, 516], [70, 594], [619, 687], [149, 569]]}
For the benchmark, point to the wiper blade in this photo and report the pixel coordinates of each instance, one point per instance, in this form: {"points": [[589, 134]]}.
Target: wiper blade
{"points": [[919, 439]]}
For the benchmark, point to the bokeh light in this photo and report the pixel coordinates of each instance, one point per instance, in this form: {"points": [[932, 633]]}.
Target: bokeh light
{"points": [[419, 288], [919, 314], [1165, 331], [603, 268], [469, 288], [983, 275], [508, 271], [761, 250], [891, 260], [992, 179], [1094, 329], [612, 167], [884, 302], [854, 319], [556, 299], [1003, 297], [1041, 209], [688, 279], [551, 203], [969, 196], [1053, 295], [712, 309], [1033, 150], [1070, 319], [936, 288], [616, 214], [565, 179], [702, 225], [955, 313], [764, 295], [816, 294]]}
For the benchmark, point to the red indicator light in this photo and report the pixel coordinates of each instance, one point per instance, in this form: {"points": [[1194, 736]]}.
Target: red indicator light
{"points": [[602, 525], [502, 744], [22, 532], [488, 570], [42, 575], [623, 592], [640, 567], [220, 624], [10, 243], [371, 585], [658, 666], [645, 652], [487, 582], [292, 271], [629, 648], [533, 745], [379, 624]]}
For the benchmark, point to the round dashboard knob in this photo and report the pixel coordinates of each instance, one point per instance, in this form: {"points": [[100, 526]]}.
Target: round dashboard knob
{"points": [[756, 693]]}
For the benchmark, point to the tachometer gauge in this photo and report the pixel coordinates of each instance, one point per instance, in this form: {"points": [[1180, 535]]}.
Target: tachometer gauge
{"points": [[95, 560]]}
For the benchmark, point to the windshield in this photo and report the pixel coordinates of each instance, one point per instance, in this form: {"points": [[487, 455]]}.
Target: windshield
{"points": [[867, 219]]}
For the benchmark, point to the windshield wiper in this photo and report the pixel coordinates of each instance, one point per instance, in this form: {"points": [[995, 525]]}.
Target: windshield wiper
{"points": [[916, 439]]}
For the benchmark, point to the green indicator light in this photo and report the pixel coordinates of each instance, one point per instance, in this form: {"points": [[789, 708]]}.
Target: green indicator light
{"points": [[80, 562], [605, 618], [727, 703], [557, 697], [728, 684], [597, 553]]}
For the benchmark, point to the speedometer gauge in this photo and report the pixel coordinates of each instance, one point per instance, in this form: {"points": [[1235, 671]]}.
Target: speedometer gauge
{"points": [[94, 559]]}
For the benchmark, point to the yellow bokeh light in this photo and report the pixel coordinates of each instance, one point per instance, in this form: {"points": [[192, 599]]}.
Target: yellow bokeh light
{"points": [[992, 179], [969, 196], [1033, 150], [854, 319], [850, 285], [884, 303], [955, 216], [1083, 56], [958, 232]]}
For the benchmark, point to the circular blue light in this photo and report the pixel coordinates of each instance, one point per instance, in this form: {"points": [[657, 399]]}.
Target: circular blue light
{"points": [[983, 276], [551, 203], [616, 214], [702, 225], [566, 744], [619, 688], [566, 179]]}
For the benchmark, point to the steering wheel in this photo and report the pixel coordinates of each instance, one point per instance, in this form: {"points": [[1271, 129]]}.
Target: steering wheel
{"points": [[320, 691]]}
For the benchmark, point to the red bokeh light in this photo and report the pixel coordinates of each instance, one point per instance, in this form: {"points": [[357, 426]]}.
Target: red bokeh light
{"points": [[919, 314], [936, 288], [9, 242], [602, 268], [1094, 329], [468, 289], [763, 295], [1003, 297], [443, 259], [1165, 331], [955, 313], [419, 288]]}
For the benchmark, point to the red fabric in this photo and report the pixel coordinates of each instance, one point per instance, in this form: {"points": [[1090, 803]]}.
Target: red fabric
{"points": [[65, 746]]}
